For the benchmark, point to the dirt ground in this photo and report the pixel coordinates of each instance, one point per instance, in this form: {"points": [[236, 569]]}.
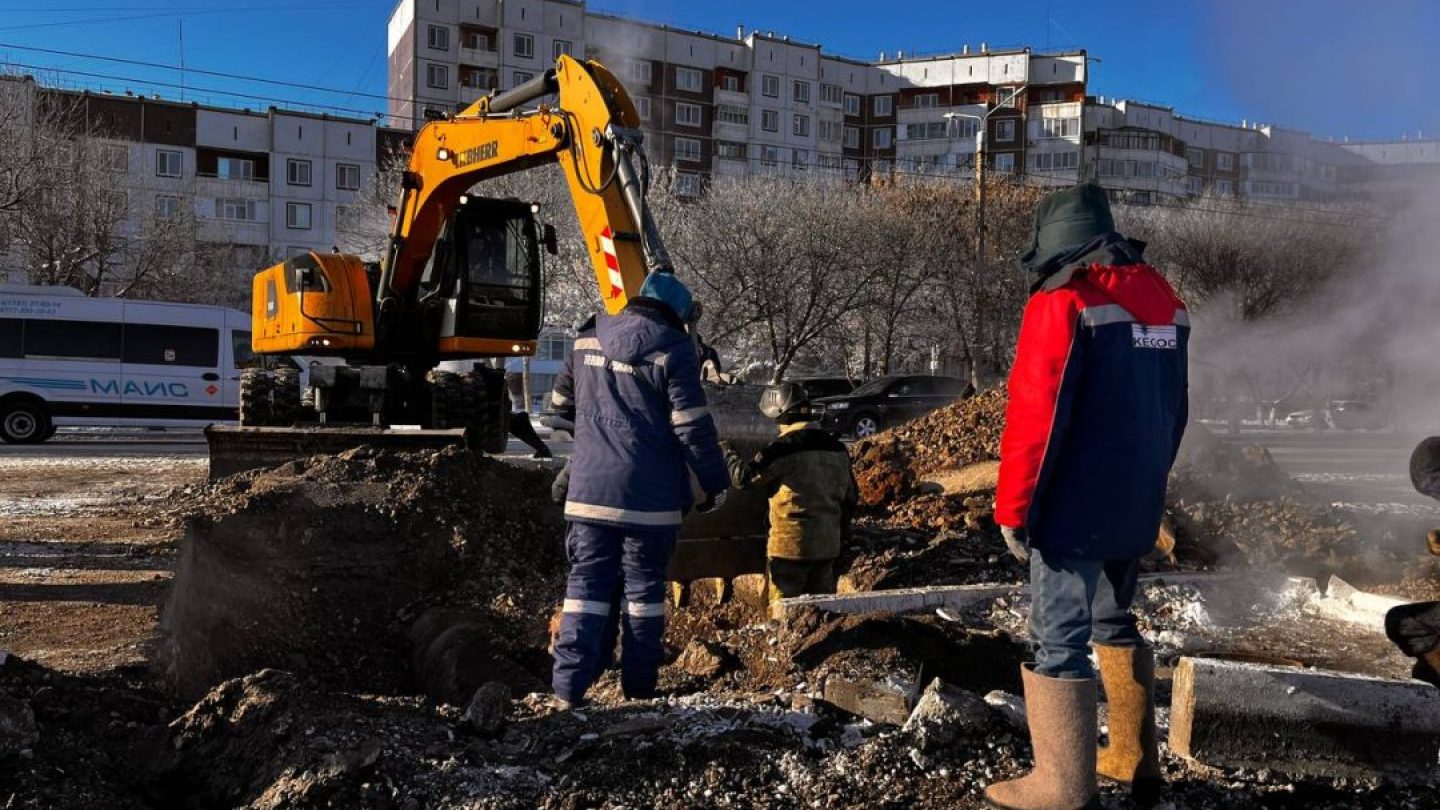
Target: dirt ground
{"points": [[82, 561], [87, 549]]}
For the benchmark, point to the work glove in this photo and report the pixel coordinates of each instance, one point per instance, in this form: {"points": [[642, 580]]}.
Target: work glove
{"points": [[712, 503], [1017, 541], [560, 488]]}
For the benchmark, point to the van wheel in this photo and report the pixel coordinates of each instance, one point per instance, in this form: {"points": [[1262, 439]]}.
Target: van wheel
{"points": [[24, 423]]}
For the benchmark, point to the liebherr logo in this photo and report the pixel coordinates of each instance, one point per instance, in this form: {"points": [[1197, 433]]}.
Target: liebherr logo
{"points": [[476, 154], [1154, 337]]}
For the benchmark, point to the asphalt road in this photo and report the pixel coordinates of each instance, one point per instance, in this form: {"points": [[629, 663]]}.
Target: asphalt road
{"points": [[1364, 467], [141, 444]]}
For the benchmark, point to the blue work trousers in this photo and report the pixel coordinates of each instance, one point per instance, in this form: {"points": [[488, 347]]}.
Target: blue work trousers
{"points": [[604, 561], [1074, 602]]}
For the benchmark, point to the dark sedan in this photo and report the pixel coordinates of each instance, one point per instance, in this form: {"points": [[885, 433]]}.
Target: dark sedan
{"points": [[886, 402]]}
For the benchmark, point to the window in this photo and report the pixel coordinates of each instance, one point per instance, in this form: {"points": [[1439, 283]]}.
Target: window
{"points": [[642, 106], [770, 120], [236, 210], [297, 172], [687, 115], [730, 82], [770, 86], [561, 47], [769, 155], [171, 345], [687, 149], [800, 127], [1224, 187], [117, 200], [852, 104], [1224, 161], [730, 150], [229, 168], [966, 127], [554, 347], [1005, 96], [640, 71], [688, 79], [347, 177], [1005, 130], [727, 114], [926, 101], [830, 131], [687, 184], [439, 38], [115, 158], [168, 163], [852, 169], [884, 106], [1054, 161], [800, 159], [437, 76], [800, 92], [852, 137], [477, 40], [297, 216], [76, 340], [244, 356], [524, 46], [1060, 127], [1194, 185], [884, 138], [12, 342], [1195, 157], [167, 206], [1004, 163], [831, 94], [520, 77]]}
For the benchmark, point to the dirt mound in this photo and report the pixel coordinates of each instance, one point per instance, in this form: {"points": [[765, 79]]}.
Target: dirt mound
{"points": [[889, 467], [319, 566]]}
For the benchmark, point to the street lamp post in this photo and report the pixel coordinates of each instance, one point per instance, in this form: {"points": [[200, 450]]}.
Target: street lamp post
{"points": [[981, 125]]}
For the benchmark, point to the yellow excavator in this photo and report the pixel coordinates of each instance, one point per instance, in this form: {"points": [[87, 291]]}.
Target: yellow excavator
{"points": [[460, 279]]}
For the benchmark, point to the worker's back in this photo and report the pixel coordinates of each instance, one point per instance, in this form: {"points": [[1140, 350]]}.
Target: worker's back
{"points": [[807, 475]]}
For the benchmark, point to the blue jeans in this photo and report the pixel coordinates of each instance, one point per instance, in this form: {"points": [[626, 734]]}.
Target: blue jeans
{"points": [[605, 561], [1074, 602]]}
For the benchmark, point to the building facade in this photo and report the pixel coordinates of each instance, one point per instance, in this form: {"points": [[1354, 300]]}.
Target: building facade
{"points": [[716, 105], [264, 185]]}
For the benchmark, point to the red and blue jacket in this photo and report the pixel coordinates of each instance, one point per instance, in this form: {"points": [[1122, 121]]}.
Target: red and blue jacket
{"points": [[1098, 405]]}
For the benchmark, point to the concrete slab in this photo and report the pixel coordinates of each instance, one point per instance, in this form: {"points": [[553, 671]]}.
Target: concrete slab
{"points": [[1303, 722]]}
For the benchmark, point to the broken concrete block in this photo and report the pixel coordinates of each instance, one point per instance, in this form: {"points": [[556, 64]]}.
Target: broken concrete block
{"points": [[1303, 722], [17, 726], [1011, 707], [488, 708], [878, 701], [945, 714], [896, 600], [704, 659], [1345, 602]]}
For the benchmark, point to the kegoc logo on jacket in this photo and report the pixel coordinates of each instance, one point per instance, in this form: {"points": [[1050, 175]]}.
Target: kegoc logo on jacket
{"points": [[1154, 337]]}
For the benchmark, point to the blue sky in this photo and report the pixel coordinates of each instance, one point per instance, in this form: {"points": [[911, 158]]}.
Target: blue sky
{"points": [[1365, 68]]}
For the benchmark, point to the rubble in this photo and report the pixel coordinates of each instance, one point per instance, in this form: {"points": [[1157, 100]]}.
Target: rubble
{"points": [[488, 708], [944, 714], [17, 727]]}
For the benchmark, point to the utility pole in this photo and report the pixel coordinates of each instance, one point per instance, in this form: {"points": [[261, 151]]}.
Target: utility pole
{"points": [[982, 123]]}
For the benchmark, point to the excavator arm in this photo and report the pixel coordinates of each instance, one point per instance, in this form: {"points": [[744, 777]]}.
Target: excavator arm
{"points": [[592, 132]]}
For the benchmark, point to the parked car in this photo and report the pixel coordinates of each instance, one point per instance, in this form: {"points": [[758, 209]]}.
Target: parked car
{"points": [[886, 402], [818, 387], [1354, 414], [1304, 419]]}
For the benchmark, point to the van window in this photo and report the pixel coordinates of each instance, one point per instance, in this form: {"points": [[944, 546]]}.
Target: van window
{"points": [[240, 348], [11, 330], [172, 345], [75, 340]]}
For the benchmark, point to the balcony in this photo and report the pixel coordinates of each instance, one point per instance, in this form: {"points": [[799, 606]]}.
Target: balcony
{"points": [[210, 185], [478, 57], [731, 131], [733, 98]]}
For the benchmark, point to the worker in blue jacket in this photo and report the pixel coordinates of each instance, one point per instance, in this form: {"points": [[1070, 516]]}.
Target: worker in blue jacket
{"points": [[643, 433]]}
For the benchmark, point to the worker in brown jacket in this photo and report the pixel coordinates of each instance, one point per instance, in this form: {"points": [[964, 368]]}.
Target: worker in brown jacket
{"points": [[812, 494]]}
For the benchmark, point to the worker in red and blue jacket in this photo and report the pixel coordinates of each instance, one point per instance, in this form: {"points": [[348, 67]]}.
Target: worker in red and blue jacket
{"points": [[1097, 408], [643, 433]]}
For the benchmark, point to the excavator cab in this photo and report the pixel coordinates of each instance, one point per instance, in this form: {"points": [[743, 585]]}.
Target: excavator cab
{"points": [[488, 262]]}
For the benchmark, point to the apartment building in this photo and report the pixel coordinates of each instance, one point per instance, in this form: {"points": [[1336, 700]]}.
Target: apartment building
{"points": [[715, 105], [262, 184]]}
